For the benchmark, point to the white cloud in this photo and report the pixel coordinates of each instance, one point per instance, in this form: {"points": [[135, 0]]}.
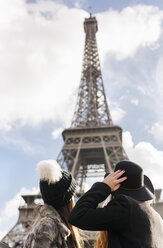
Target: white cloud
{"points": [[157, 132], [135, 101], [11, 207], [142, 89], [2, 234], [123, 33], [40, 45], [117, 114], [57, 132], [9, 215], [41, 54], [77, 3], [147, 156], [159, 75]]}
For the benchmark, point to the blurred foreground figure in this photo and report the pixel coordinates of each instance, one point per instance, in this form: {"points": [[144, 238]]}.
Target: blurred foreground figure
{"points": [[128, 220], [51, 229]]}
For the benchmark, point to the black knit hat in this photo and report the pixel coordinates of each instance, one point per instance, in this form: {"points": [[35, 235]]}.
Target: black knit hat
{"points": [[137, 185], [57, 187]]}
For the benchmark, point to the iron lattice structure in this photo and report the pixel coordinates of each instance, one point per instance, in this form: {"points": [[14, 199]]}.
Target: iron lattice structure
{"points": [[16, 237], [91, 108], [92, 145]]}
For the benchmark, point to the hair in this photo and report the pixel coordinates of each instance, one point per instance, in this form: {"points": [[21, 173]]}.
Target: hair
{"points": [[102, 240], [65, 212]]}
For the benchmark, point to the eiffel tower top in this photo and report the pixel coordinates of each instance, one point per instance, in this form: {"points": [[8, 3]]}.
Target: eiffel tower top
{"points": [[92, 107]]}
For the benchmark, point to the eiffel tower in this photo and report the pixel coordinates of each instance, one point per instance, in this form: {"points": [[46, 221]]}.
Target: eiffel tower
{"points": [[93, 144], [27, 214]]}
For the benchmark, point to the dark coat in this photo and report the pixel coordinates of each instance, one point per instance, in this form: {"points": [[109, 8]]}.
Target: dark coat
{"points": [[49, 231], [130, 224]]}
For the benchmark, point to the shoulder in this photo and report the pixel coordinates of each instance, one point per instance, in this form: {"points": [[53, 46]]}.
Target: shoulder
{"points": [[43, 231], [138, 212], [52, 223], [126, 200], [46, 227], [121, 206], [121, 200], [134, 207]]}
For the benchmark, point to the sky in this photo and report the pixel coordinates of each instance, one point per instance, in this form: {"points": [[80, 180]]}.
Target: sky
{"points": [[41, 47]]}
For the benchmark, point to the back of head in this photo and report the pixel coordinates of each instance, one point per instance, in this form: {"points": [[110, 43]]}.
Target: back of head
{"points": [[56, 186], [137, 185]]}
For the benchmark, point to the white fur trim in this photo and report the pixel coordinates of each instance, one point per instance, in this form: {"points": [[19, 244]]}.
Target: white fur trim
{"points": [[49, 170]]}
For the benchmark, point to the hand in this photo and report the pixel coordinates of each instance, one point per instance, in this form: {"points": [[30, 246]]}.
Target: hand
{"points": [[112, 180]]}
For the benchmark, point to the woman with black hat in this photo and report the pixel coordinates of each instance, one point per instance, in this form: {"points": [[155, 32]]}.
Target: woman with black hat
{"points": [[51, 229], [128, 220]]}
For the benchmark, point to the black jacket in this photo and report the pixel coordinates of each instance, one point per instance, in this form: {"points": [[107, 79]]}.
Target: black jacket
{"points": [[130, 224]]}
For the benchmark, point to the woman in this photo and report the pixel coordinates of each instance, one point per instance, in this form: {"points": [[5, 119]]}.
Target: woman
{"points": [[51, 229], [128, 220]]}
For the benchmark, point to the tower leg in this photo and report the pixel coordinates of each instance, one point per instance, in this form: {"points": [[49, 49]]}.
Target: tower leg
{"points": [[108, 165]]}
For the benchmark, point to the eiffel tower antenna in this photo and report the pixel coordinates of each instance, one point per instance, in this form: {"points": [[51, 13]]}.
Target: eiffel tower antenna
{"points": [[92, 145], [90, 11]]}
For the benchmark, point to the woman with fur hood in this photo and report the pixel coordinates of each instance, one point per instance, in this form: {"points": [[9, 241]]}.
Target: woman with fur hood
{"points": [[51, 229]]}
